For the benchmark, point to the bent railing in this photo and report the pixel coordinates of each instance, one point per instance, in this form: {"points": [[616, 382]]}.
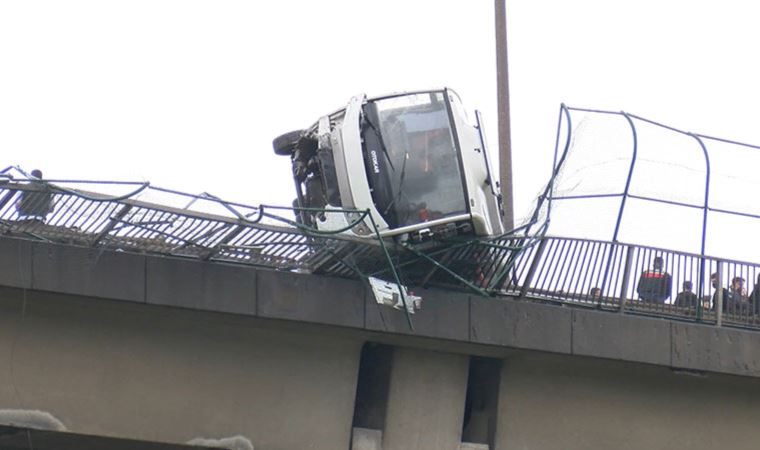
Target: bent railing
{"points": [[584, 273]]}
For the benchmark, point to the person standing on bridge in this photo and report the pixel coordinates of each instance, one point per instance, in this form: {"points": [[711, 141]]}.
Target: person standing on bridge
{"points": [[686, 298], [739, 301], [754, 297], [654, 284], [36, 203], [724, 293]]}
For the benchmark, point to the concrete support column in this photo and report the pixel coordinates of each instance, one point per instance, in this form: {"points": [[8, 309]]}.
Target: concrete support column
{"points": [[425, 401]]}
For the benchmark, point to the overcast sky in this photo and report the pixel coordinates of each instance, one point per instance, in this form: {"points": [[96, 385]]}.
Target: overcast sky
{"points": [[189, 94]]}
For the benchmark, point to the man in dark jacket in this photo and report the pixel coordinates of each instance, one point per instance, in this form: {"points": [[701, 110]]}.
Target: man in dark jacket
{"points": [[715, 281], [686, 298], [754, 297], [654, 284], [37, 203]]}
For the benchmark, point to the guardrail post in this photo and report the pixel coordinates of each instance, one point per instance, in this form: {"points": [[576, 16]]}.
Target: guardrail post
{"points": [[7, 197], [719, 295], [626, 276], [533, 267], [701, 289]]}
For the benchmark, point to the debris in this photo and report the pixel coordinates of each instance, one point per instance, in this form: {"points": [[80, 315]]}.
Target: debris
{"points": [[388, 293]]}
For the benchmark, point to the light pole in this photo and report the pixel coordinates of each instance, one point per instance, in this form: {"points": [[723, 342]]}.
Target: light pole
{"points": [[502, 93]]}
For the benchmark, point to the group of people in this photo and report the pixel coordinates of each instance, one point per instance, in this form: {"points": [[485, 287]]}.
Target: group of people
{"points": [[655, 286]]}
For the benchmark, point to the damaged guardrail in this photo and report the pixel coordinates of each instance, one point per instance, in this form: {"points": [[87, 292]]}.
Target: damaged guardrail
{"points": [[613, 276]]}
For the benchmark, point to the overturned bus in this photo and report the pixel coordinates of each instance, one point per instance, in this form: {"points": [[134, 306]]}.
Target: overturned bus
{"points": [[413, 160]]}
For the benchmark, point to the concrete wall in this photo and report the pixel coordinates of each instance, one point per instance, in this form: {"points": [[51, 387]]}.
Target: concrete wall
{"points": [[571, 403], [165, 374]]}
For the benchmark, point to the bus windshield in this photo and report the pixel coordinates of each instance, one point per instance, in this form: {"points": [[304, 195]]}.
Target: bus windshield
{"points": [[412, 162]]}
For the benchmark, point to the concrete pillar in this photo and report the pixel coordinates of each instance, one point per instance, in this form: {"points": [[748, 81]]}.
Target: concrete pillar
{"points": [[425, 401], [502, 94]]}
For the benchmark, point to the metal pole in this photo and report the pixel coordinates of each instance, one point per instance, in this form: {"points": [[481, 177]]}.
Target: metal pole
{"points": [[628, 180], [704, 234], [502, 93], [533, 267], [719, 295], [707, 191], [626, 274]]}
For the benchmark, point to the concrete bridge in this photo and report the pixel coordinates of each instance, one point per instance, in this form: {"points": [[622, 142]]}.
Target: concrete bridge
{"points": [[118, 345]]}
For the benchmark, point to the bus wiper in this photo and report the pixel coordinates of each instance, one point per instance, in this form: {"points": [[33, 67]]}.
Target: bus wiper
{"points": [[365, 119], [400, 185]]}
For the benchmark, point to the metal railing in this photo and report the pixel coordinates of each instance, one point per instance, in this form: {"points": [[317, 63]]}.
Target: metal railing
{"points": [[629, 279], [265, 236], [702, 180], [579, 272]]}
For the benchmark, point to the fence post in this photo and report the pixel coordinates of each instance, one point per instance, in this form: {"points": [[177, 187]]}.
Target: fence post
{"points": [[719, 295], [701, 289], [533, 267], [626, 276], [7, 197]]}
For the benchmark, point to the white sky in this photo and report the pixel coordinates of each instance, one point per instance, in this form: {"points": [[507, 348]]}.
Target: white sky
{"points": [[189, 94]]}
